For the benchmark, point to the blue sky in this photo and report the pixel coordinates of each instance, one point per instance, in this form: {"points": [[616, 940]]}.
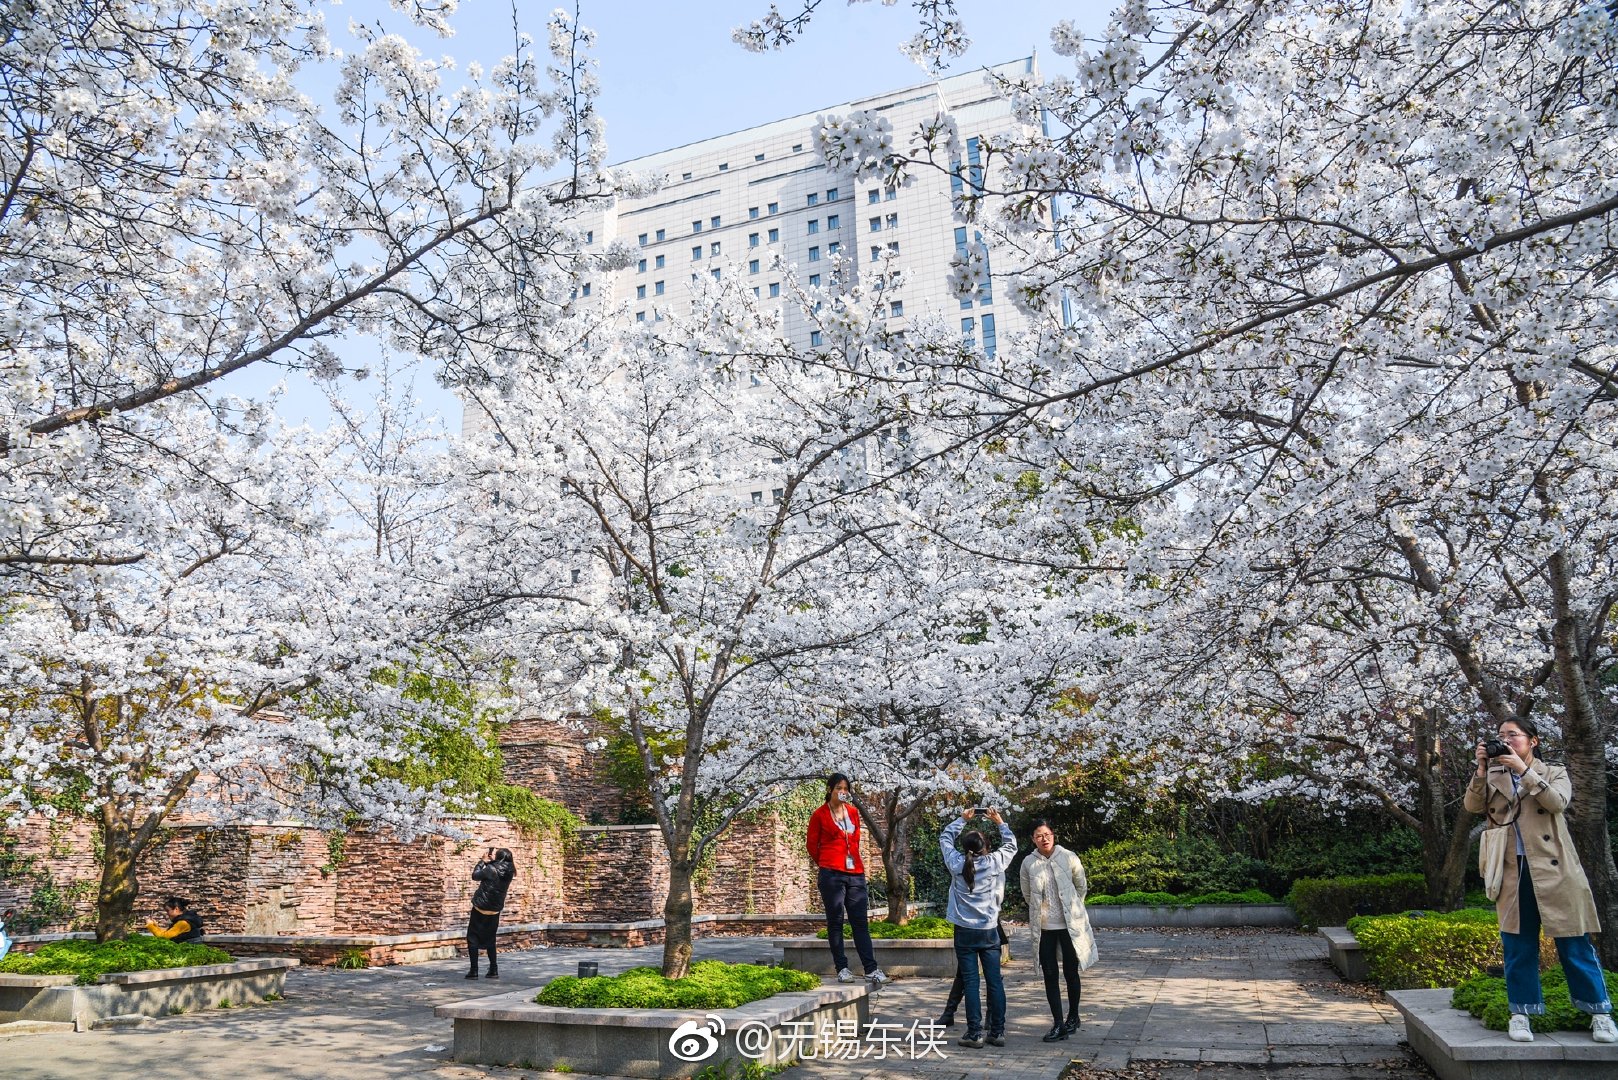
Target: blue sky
{"points": [[671, 75]]}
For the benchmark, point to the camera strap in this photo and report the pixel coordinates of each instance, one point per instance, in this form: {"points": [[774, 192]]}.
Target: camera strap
{"points": [[1516, 807]]}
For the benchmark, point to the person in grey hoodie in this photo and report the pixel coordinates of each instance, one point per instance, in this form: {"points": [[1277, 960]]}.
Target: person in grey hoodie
{"points": [[976, 884]]}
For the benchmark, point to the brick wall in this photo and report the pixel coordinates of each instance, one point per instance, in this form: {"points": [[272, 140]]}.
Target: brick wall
{"points": [[615, 873], [552, 758]]}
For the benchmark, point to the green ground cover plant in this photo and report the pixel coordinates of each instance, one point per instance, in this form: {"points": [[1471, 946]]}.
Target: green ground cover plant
{"points": [[1484, 996], [712, 984], [1427, 949], [89, 960], [1163, 899], [920, 928], [1333, 901]]}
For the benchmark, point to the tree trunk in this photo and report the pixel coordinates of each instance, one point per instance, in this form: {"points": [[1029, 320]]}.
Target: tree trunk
{"points": [[1445, 842], [115, 901], [896, 868], [677, 920]]}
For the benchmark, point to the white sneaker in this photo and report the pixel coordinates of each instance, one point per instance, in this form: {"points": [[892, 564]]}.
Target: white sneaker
{"points": [[1602, 1029], [880, 977], [1519, 1031], [845, 975]]}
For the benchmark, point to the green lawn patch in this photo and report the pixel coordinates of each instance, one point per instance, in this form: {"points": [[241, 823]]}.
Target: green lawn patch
{"points": [[921, 928], [89, 960], [1163, 899], [712, 984], [1484, 996]]}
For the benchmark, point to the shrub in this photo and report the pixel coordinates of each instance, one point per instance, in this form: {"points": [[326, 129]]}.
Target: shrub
{"points": [[1484, 996], [712, 984], [1426, 950], [1332, 901], [353, 960], [920, 927], [1379, 848], [89, 960], [1159, 863]]}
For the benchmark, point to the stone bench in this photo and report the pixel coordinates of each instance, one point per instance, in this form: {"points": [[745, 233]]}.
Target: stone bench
{"points": [[1346, 955], [56, 999], [510, 1029], [1458, 1047], [1198, 915]]}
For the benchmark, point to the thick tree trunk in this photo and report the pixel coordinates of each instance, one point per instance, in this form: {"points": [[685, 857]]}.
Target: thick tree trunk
{"points": [[896, 860], [677, 911], [115, 901], [1445, 840]]}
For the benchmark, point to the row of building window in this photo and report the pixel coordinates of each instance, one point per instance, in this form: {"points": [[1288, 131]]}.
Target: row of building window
{"points": [[876, 195], [876, 223], [724, 166]]}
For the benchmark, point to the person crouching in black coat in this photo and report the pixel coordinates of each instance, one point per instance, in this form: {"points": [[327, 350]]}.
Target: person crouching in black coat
{"points": [[493, 873]]}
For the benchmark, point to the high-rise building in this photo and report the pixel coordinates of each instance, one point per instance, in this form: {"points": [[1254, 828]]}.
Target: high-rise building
{"points": [[757, 201]]}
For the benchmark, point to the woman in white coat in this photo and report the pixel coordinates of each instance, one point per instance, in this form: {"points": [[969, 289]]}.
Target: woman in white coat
{"points": [[1054, 885]]}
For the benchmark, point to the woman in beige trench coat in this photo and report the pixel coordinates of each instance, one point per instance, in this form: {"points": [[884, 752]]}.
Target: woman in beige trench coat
{"points": [[1541, 882], [1054, 885]]}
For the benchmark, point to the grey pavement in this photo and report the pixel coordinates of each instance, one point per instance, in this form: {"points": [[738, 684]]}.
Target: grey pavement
{"points": [[1161, 1005]]}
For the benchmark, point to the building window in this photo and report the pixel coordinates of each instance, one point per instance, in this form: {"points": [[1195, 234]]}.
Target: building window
{"points": [[890, 193], [724, 166], [893, 221], [814, 254], [797, 148], [685, 176], [775, 288], [831, 194], [775, 236], [896, 307], [660, 233], [640, 267], [642, 239], [815, 338], [752, 212], [752, 266], [713, 222], [755, 290], [758, 498], [575, 576], [966, 303], [775, 208], [589, 236], [814, 198], [814, 226], [988, 335], [640, 316], [752, 239], [777, 495], [696, 226], [715, 273], [834, 247], [814, 281], [873, 197], [875, 224], [658, 263], [833, 221], [640, 292], [876, 252], [969, 327], [696, 253], [758, 157], [893, 246], [585, 291], [713, 249], [657, 288]]}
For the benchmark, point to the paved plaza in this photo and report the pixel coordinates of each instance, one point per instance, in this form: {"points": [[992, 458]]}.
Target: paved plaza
{"points": [[1161, 1005]]}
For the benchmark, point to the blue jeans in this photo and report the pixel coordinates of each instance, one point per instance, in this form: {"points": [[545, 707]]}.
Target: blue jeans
{"points": [[1579, 962], [972, 947], [842, 893]]}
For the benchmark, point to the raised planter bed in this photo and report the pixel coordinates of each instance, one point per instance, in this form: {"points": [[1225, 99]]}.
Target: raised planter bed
{"points": [[1458, 1047], [925, 958], [509, 1029], [1346, 955], [1114, 915], [55, 999]]}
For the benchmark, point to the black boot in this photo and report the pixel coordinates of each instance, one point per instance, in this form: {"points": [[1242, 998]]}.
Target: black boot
{"points": [[494, 973], [1057, 1033], [1072, 1024], [472, 974]]}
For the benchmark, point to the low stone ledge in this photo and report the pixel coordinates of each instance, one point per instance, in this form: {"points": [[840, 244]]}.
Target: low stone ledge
{"points": [[507, 1029], [35, 981], [1197, 915], [144, 993], [1346, 955], [916, 958], [1457, 1046]]}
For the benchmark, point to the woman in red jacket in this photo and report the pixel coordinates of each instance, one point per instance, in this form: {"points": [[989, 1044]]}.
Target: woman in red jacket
{"points": [[834, 844]]}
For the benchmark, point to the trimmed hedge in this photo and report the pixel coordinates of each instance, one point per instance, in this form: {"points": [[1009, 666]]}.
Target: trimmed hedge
{"points": [[1333, 901], [1484, 996], [89, 960], [1158, 863], [1425, 950], [920, 928], [1163, 899], [711, 984]]}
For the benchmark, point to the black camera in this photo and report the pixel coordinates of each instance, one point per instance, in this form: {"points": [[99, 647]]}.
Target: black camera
{"points": [[1495, 748]]}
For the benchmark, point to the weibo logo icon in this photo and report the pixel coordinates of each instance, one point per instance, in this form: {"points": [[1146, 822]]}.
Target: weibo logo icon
{"points": [[693, 1041]]}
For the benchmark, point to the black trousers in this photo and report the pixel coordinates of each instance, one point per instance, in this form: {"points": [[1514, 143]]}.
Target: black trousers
{"points": [[480, 934], [957, 989], [845, 894], [1052, 942]]}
